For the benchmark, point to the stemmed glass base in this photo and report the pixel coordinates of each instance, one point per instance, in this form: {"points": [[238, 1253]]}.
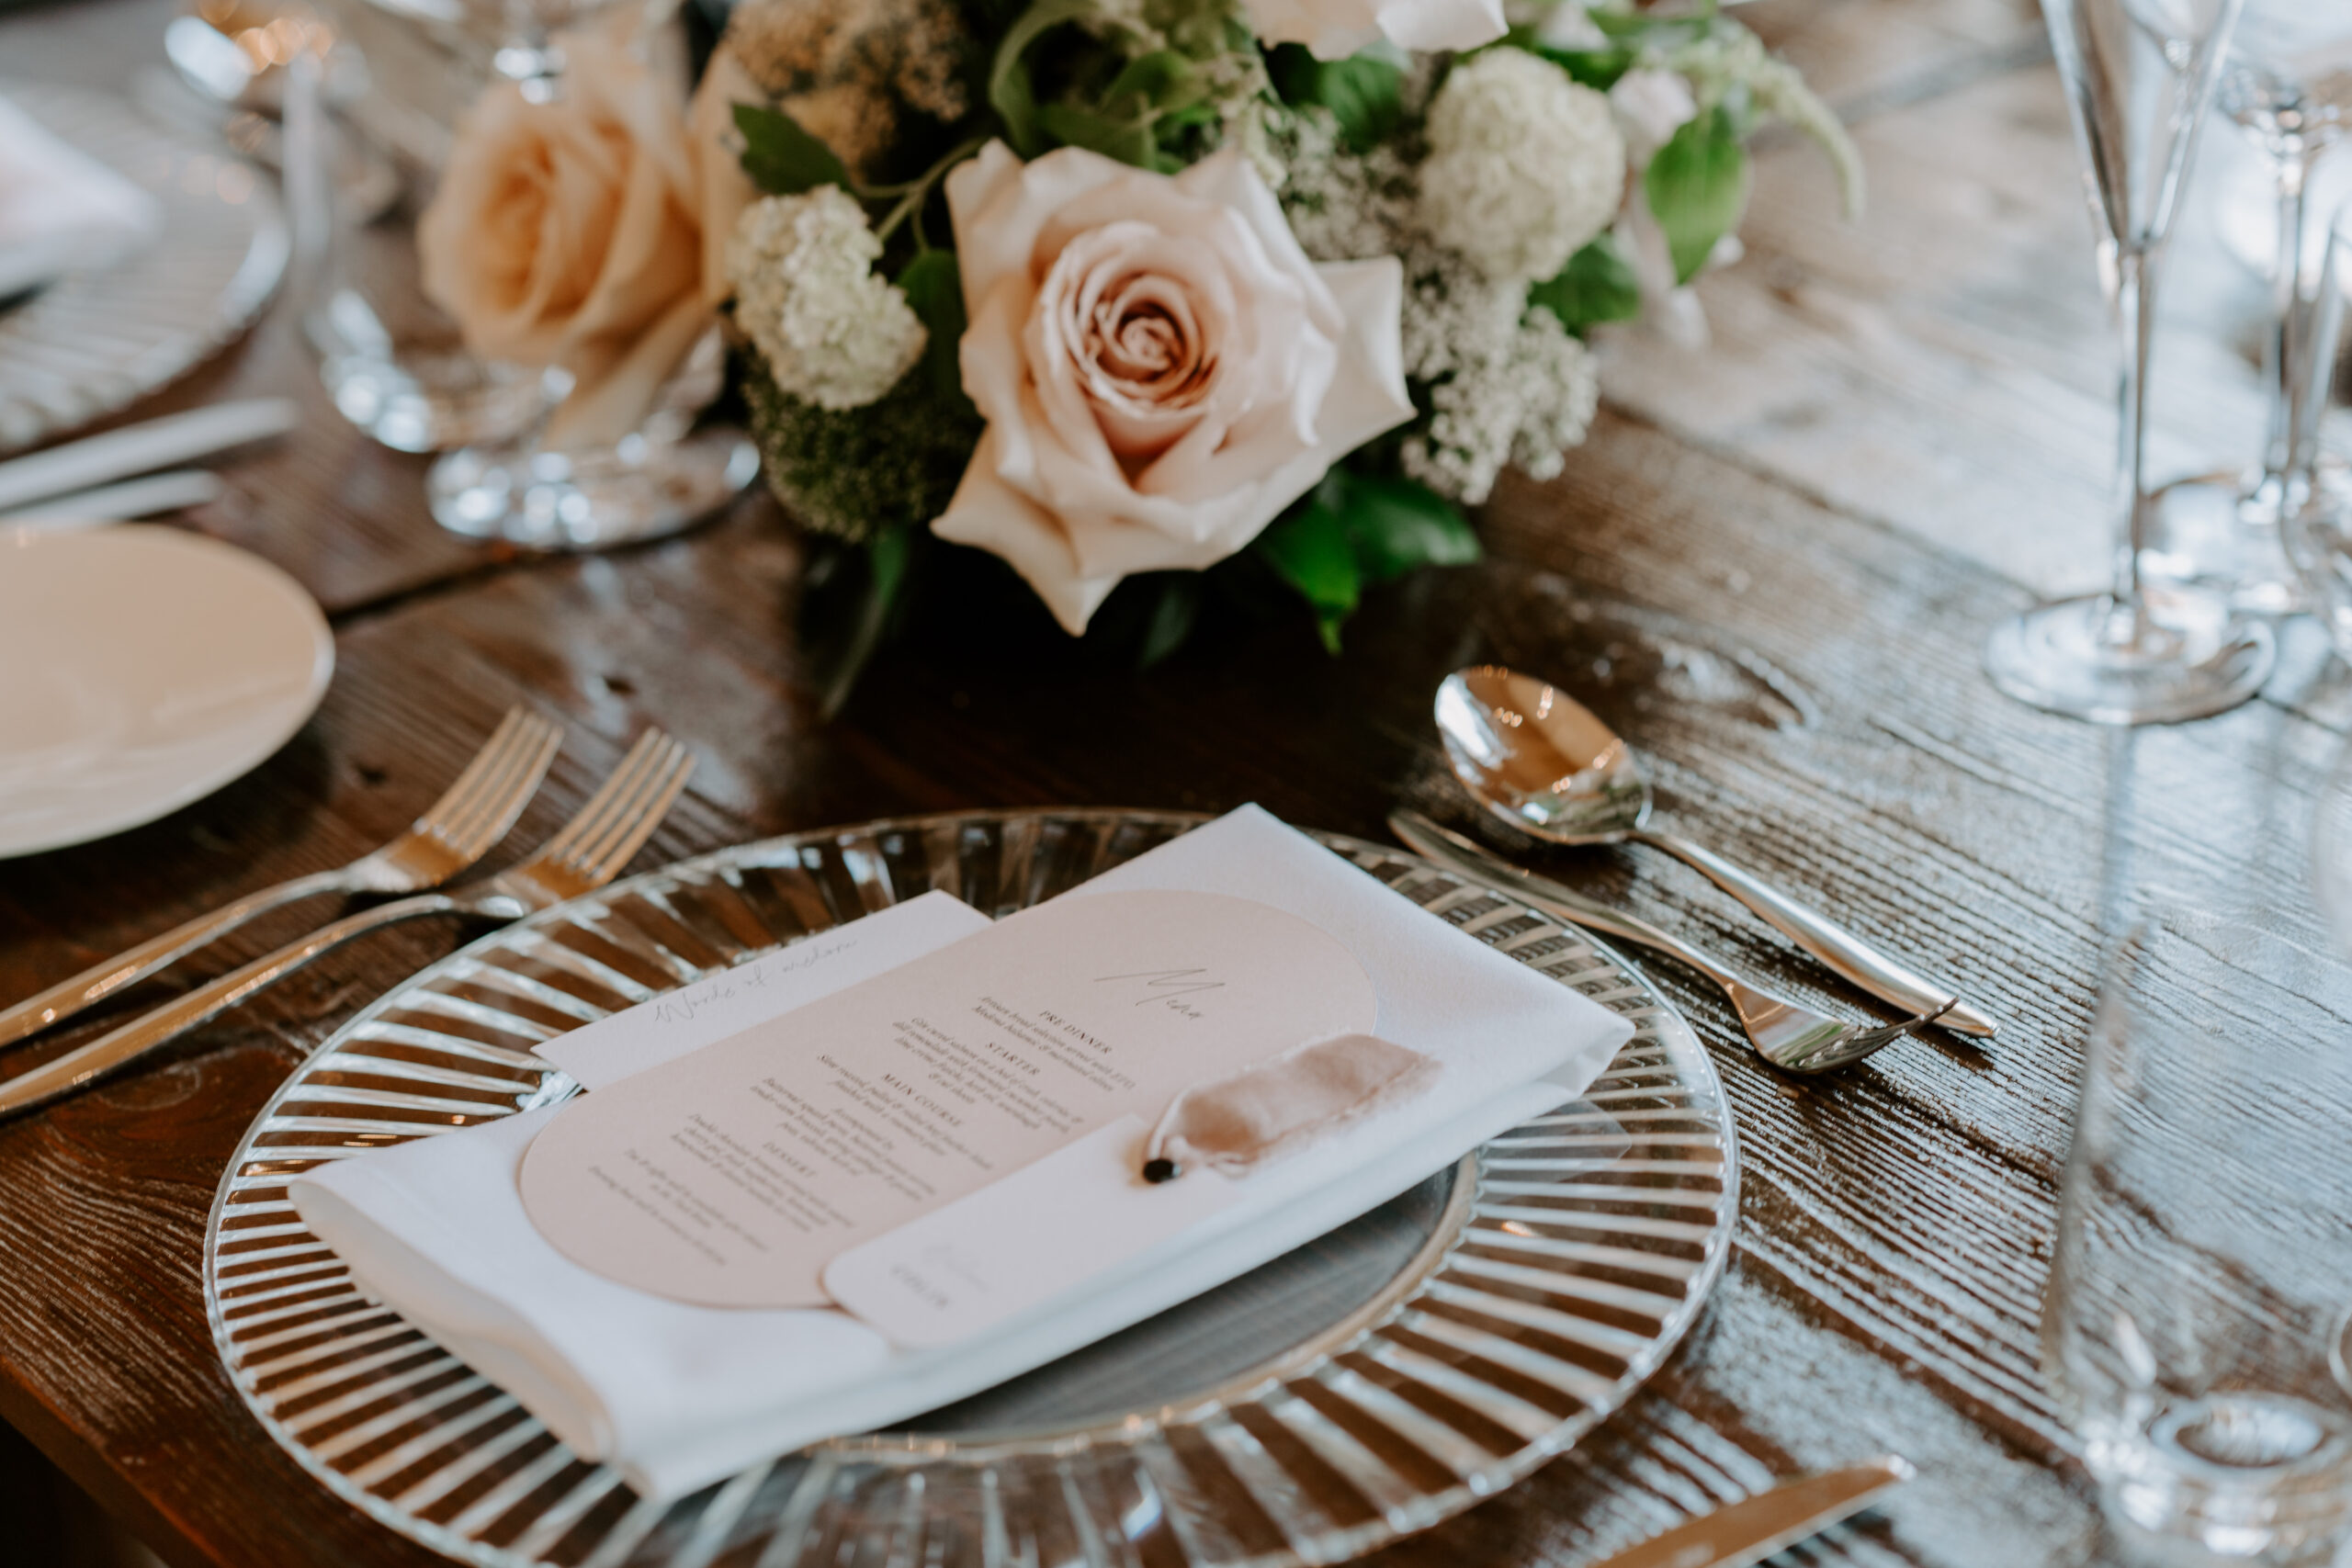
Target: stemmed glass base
{"points": [[2245, 1477], [2224, 532], [2182, 655], [551, 499]]}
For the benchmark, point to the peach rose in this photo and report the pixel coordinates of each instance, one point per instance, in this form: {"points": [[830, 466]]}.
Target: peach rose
{"points": [[1333, 29], [572, 233], [1161, 369]]}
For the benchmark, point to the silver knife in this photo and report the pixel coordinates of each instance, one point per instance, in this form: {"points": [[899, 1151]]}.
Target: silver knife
{"points": [[1757, 1527]]}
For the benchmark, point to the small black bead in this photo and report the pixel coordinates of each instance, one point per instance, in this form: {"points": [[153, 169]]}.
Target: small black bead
{"points": [[1159, 1170]]}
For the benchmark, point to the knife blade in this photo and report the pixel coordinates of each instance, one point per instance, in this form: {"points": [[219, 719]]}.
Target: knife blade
{"points": [[1755, 1528]]}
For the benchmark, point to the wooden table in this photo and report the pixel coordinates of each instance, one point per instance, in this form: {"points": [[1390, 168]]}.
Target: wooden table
{"points": [[1900, 434]]}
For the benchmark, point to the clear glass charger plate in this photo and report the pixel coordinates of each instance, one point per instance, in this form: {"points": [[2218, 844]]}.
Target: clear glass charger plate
{"points": [[94, 342], [1368, 1385]]}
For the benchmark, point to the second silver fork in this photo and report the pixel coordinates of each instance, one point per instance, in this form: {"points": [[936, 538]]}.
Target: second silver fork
{"points": [[453, 832], [590, 851]]}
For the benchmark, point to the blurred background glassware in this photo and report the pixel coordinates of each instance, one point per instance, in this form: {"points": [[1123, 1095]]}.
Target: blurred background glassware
{"points": [[2198, 1278], [2286, 82], [390, 94], [2318, 529], [663, 476], [2138, 74], [395, 362]]}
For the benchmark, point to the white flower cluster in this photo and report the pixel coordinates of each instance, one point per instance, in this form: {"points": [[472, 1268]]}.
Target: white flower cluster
{"points": [[1504, 381], [832, 331], [1525, 166], [1506, 384]]}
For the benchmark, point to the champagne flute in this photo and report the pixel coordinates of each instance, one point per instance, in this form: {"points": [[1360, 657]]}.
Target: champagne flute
{"points": [[2139, 74]]}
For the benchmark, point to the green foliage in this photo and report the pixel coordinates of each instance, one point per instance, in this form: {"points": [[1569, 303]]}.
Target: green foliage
{"points": [[1598, 285], [1596, 68], [1130, 141], [1308, 549], [1364, 92], [1355, 531], [1012, 93], [933, 286], [856, 473], [781, 158], [1697, 187]]}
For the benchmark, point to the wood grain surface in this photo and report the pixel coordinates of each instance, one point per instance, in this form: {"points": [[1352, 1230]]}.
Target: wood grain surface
{"points": [[1773, 566]]}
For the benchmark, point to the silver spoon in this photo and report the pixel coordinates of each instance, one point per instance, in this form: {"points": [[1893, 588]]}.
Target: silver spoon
{"points": [[1541, 761], [1785, 1034]]}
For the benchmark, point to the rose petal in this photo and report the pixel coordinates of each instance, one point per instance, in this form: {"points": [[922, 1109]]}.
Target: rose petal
{"points": [[992, 516]]}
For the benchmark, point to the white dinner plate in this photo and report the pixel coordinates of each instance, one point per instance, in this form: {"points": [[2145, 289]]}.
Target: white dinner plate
{"points": [[141, 669]]}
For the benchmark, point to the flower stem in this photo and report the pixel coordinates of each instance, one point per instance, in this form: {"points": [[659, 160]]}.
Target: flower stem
{"points": [[913, 193]]}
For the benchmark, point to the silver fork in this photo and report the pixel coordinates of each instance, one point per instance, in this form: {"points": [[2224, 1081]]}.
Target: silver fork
{"points": [[454, 832], [1790, 1036], [588, 852]]}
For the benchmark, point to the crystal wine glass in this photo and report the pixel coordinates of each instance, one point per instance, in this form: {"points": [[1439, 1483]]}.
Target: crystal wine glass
{"points": [[2139, 74], [2203, 1267]]}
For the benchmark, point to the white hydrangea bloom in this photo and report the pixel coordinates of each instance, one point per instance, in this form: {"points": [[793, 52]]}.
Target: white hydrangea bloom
{"points": [[832, 331], [1525, 166]]}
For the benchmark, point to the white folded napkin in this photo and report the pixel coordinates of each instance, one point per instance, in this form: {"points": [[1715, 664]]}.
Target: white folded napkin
{"points": [[62, 210], [678, 1396]]}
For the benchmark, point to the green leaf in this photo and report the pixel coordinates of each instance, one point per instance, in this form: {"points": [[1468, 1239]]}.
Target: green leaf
{"points": [[1162, 80], [933, 286], [1010, 92], [1173, 615], [1597, 68], [1394, 526], [781, 158], [1309, 550], [1364, 92], [1130, 141], [1697, 185], [1598, 285]]}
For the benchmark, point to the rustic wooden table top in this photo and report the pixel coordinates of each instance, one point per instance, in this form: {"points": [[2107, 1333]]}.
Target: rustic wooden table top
{"points": [[1773, 564]]}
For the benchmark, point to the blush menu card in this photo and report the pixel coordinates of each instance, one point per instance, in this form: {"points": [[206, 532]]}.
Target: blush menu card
{"points": [[734, 1177], [938, 1123]]}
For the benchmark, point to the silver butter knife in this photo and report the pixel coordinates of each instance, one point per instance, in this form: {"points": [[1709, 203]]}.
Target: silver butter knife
{"points": [[1755, 1528]]}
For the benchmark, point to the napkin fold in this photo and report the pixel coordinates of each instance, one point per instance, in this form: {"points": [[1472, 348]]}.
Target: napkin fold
{"points": [[62, 210], [677, 1397]]}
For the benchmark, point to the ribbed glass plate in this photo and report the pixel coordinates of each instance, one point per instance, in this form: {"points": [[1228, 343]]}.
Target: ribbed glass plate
{"points": [[1367, 1385], [94, 342]]}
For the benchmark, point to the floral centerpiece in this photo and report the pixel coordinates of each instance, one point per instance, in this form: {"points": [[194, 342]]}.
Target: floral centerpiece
{"points": [[1119, 289]]}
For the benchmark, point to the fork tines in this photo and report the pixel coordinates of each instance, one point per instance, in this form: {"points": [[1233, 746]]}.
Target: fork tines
{"points": [[622, 815], [482, 803]]}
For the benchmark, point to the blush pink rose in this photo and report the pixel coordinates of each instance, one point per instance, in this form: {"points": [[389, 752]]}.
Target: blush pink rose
{"points": [[1161, 369]]}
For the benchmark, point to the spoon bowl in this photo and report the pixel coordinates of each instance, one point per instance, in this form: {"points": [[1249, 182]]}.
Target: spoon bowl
{"points": [[1540, 760]]}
